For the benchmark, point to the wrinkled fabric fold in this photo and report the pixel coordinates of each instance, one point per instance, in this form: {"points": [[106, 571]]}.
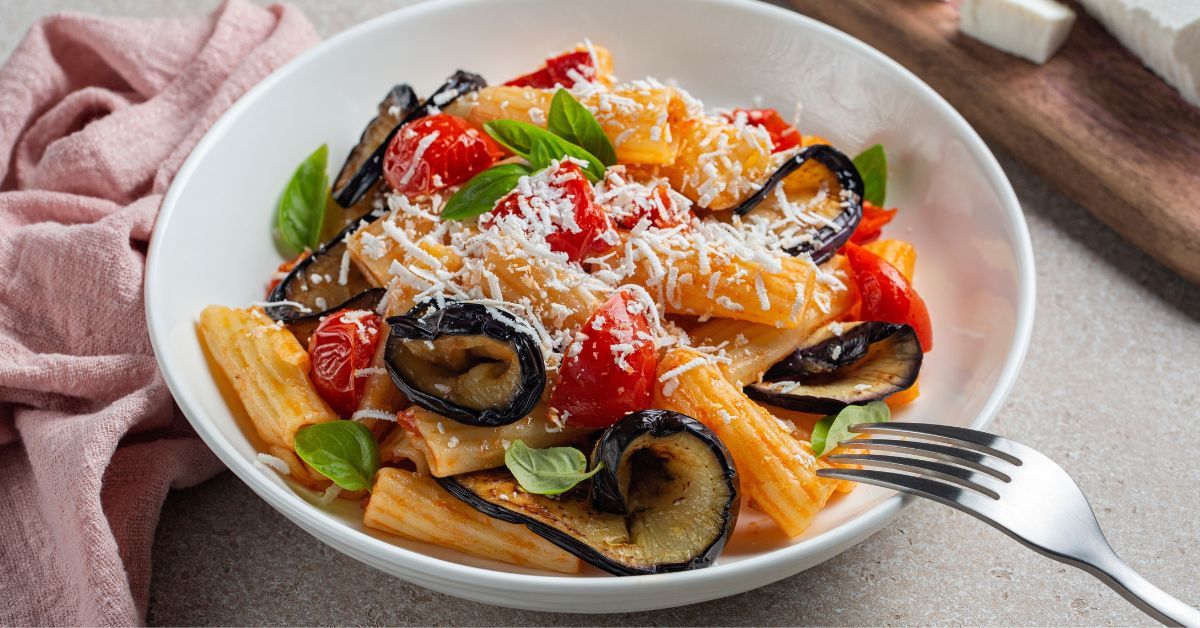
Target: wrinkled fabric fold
{"points": [[96, 116]]}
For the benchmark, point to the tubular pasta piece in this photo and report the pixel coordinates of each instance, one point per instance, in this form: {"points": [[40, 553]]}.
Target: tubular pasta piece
{"points": [[777, 470], [416, 507]]}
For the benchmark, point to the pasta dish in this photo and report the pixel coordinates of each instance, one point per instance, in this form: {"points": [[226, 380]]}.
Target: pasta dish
{"points": [[567, 320]]}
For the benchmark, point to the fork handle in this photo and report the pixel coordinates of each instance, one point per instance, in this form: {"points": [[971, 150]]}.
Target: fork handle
{"points": [[1120, 577]]}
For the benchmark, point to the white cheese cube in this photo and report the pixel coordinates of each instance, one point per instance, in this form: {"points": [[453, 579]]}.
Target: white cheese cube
{"points": [[1033, 29], [1164, 33]]}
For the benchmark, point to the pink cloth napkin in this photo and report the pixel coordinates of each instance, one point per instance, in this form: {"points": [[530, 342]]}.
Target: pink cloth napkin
{"points": [[96, 116]]}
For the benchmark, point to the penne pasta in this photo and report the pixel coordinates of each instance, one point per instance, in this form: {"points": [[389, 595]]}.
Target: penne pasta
{"points": [[452, 448], [416, 507], [778, 471]]}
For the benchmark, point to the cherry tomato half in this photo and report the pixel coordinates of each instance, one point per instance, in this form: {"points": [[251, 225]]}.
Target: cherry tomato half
{"points": [[435, 152], [591, 231], [343, 343], [887, 294], [558, 71], [783, 135], [612, 374], [871, 226], [658, 206]]}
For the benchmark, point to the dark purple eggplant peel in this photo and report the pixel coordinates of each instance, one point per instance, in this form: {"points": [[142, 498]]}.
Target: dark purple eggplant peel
{"points": [[466, 362], [364, 165], [315, 284], [827, 239], [666, 498], [868, 362]]}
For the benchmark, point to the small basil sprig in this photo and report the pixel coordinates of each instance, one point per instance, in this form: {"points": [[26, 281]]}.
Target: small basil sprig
{"points": [[480, 194], [343, 451], [547, 471], [835, 428], [872, 167], [521, 138], [573, 122], [301, 209]]}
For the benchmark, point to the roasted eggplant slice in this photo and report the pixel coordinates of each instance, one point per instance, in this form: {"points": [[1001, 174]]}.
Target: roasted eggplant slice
{"points": [[401, 106], [303, 327], [466, 361], [354, 180], [665, 500], [867, 362], [322, 282], [839, 217]]}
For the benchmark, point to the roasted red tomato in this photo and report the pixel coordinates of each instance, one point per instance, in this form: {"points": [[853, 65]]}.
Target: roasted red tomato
{"points": [[283, 270], [587, 231], [871, 226], [783, 135], [435, 152], [558, 71], [610, 370], [656, 204], [887, 294], [343, 343]]}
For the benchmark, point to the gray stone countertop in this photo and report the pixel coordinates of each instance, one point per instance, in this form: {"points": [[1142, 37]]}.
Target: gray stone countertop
{"points": [[1109, 390]]}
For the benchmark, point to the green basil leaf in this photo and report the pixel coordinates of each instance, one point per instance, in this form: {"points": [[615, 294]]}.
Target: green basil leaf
{"points": [[573, 122], [519, 137], [480, 194], [542, 153], [514, 135], [301, 209], [343, 451], [547, 471], [872, 167], [835, 428]]}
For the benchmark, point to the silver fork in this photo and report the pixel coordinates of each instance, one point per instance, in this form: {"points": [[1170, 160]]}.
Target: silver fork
{"points": [[1010, 486]]}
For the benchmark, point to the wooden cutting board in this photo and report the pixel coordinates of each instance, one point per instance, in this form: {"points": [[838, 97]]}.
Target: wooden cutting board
{"points": [[1093, 120]]}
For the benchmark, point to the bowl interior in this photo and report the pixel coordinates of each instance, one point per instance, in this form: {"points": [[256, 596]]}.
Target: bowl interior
{"points": [[213, 240]]}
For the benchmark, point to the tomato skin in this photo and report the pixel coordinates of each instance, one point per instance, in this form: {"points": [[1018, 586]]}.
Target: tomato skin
{"points": [[458, 152], [595, 226], [783, 135], [871, 226], [594, 390], [887, 295], [338, 348], [557, 71], [659, 207]]}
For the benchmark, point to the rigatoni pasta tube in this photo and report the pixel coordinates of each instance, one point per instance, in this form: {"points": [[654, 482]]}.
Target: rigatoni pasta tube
{"points": [[269, 370], [452, 448], [778, 471], [638, 120], [416, 507]]}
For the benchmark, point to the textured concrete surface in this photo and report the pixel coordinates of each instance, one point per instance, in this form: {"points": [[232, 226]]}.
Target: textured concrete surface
{"points": [[1109, 390]]}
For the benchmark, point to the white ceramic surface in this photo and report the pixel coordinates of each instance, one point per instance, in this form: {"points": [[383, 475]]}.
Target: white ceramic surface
{"points": [[212, 243]]}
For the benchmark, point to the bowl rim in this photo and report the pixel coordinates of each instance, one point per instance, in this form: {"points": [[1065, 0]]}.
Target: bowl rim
{"points": [[382, 554]]}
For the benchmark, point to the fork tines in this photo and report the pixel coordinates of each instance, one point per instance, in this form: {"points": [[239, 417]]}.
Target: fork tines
{"points": [[958, 459]]}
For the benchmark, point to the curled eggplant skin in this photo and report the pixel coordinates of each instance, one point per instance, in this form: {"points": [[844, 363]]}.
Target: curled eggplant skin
{"points": [[303, 327], [666, 498], [459, 83], [335, 294], [429, 323], [869, 361], [356, 177], [828, 239]]}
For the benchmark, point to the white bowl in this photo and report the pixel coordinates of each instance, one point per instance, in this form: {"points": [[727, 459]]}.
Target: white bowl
{"points": [[212, 243]]}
